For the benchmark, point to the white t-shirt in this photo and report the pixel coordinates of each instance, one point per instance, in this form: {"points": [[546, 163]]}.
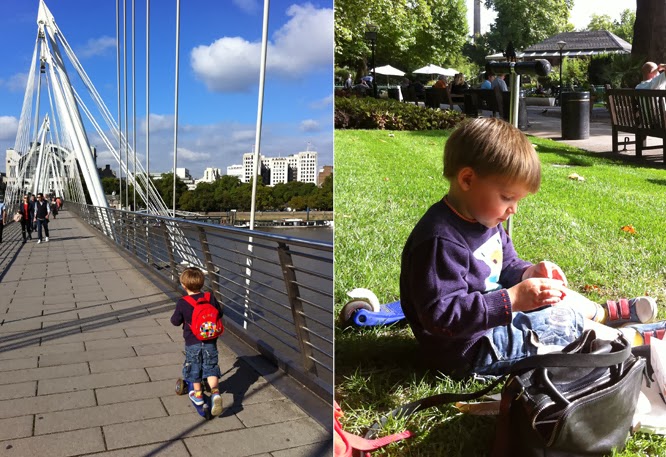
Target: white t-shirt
{"points": [[656, 83]]}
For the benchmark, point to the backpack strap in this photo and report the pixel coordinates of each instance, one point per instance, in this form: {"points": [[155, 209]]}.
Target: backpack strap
{"points": [[193, 302]]}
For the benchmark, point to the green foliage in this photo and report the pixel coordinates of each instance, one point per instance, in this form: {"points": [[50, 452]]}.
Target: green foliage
{"points": [[164, 187], [623, 28], [619, 70], [370, 113], [575, 71], [527, 22], [410, 33]]}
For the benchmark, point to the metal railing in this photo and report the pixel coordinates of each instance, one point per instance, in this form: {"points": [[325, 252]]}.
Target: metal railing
{"points": [[276, 291]]}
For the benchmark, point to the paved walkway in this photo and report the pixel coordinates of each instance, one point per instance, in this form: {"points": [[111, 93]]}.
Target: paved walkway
{"points": [[89, 359], [545, 123]]}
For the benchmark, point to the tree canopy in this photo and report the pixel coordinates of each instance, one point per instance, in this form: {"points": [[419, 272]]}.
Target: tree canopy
{"points": [[410, 33], [527, 22], [623, 27]]}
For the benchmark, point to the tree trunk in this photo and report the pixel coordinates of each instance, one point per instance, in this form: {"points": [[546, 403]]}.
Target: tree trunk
{"points": [[649, 30]]}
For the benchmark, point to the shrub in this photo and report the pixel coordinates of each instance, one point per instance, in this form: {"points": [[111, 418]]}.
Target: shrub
{"points": [[370, 113]]}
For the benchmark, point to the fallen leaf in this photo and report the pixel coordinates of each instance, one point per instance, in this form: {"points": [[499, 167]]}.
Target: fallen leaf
{"points": [[591, 287], [576, 177], [629, 229], [386, 179], [391, 135]]}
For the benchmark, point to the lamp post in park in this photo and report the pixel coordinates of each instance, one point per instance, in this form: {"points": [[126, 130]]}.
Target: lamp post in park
{"points": [[561, 45], [371, 36]]}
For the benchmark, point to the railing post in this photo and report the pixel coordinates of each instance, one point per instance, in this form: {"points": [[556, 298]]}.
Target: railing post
{"points": [[134, 234], [146, 238], [297, 313], [212, 271], [169, 248]]}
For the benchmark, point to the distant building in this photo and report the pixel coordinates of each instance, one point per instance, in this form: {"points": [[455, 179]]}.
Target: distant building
{"points": [[183, 173], [324, 172], [275, 170], [211, 175], [235, 170], [107, 172]]}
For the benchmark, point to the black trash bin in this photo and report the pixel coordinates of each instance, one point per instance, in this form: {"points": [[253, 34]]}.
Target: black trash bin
{"points": [[575, 108]]}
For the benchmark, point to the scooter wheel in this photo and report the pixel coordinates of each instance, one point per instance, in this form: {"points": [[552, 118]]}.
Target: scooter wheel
{"points": [[181, 387], [347, 313]]}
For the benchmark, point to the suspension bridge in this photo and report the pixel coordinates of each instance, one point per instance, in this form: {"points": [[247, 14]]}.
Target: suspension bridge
{"points": [[88, 357]]}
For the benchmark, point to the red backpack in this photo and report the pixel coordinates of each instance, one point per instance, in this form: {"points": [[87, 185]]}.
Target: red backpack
{"points": [[206, 321]]}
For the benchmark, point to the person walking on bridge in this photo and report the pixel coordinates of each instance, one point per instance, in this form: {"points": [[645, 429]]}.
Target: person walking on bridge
{"points": [[42, 211], [27, 215], [3, 218]]}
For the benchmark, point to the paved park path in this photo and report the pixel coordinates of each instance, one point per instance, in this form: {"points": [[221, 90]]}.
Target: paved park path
{"points": [[89, 359]]}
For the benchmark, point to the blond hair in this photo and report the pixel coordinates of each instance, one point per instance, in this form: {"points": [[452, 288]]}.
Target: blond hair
{"points": [[192, 279], [492, 147]]}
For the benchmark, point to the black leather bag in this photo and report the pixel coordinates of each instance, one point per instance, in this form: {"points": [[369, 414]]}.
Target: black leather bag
{"points": [[578, 402]]}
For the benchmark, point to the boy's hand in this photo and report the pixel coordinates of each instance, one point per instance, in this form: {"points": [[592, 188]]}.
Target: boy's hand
{"points": [[536, 293], [545, 269]]}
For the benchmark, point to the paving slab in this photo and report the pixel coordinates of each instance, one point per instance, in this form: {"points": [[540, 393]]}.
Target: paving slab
{"points": [[89, 360]]}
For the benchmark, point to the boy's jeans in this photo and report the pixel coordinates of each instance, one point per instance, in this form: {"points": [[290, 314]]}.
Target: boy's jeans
{"points": [[201, 361]]}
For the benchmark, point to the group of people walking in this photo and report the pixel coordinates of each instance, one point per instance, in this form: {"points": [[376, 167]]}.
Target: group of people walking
{"points": [[34, 213]]}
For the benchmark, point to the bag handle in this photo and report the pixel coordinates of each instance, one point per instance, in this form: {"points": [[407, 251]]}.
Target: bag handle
{"points": [[428, 402]]}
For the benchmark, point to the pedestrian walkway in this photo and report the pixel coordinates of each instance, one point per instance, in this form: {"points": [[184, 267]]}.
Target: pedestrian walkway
{"points": [[89, 360], [545, 123]]}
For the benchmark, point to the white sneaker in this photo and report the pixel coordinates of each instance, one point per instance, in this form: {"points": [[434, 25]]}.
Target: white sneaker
{"points": [[46, 239], [39, 241]]}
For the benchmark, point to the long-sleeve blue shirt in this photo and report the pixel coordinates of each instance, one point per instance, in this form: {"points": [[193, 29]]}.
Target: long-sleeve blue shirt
{"points": [[453, 280]]}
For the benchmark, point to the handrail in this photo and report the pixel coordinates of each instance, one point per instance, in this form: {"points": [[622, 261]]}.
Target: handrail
{"points": [[288, 301]]}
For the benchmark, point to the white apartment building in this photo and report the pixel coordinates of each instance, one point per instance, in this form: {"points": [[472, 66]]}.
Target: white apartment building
{"points": [[235, 170], [275, 170], [211, 175]]}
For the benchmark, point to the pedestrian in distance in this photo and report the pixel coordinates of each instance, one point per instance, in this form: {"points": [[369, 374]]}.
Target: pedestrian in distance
{"points": [[27, 212], [201, 356], [42, 212], [3, 218], [473, 304]]}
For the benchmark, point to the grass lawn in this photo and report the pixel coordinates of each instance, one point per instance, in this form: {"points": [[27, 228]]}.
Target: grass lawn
{"points": [[385, 181]]}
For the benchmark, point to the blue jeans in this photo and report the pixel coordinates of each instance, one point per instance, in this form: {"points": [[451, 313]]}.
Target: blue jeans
{"points": [[201, 362], [42, 223], [526, 335]]}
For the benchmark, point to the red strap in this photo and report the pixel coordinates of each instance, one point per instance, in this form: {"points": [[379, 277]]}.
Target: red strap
{"points": [[612, 310], [624, 308], [193, 302]]}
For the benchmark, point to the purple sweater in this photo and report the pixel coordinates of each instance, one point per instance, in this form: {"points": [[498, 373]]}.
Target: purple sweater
{"points": [[453, 281], [183, 316]]}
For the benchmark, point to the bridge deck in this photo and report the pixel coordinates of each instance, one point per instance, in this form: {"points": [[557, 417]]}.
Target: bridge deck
{"points": [[89, 359]]}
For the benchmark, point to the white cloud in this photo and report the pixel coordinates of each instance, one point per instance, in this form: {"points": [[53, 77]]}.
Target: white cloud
{"points": [[8, 127], [322, 103], [309, 125], [231, 64], [16, 83], [247, 6], [97, 46], [158, 123], [187, 155]]}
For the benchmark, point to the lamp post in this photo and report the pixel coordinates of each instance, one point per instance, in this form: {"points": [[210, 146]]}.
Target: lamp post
{"points": [[561, 45], [371, 36]]}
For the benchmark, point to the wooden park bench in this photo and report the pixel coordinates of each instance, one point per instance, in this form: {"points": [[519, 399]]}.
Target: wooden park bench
{"points": [[641, 112]]}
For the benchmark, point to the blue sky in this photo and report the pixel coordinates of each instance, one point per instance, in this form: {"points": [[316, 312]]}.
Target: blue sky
{"points": [[218, 77]]}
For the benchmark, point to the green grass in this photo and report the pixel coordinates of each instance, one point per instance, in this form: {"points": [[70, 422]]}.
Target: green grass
{"points": [[384, 183]]}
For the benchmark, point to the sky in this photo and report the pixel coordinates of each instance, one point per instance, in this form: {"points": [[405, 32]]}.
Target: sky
{"points": [[580, 14], [220, 44]]}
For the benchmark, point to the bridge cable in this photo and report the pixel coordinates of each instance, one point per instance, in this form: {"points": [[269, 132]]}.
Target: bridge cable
{"points": [[175, 121]]}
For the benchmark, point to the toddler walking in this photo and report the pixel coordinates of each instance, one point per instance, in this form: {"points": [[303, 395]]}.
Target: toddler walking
{"points": [[201, 338]]}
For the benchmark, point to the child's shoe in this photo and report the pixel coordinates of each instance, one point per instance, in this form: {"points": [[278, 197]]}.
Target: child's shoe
{"points": [[197, 400], [216, 401], [649, 331], [639, 310]]}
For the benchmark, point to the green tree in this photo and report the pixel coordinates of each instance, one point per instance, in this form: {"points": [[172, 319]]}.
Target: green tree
{"points": [[411, 33], [164, 187], [623, 28], [110, 185], [527, 22]]}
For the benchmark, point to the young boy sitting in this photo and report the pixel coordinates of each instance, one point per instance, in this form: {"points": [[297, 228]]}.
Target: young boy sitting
{"points": [[472, 303], [200, 356]]}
